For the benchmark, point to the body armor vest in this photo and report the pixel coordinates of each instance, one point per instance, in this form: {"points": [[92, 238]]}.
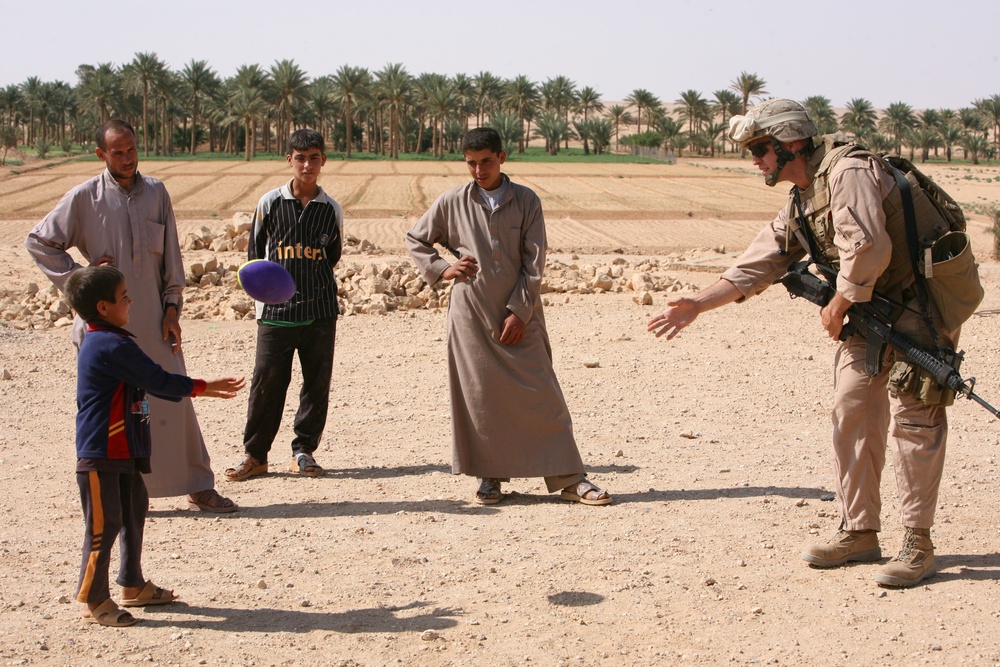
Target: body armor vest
{"points": [[899, 274]]}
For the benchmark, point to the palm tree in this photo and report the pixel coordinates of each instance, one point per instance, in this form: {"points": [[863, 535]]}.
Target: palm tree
{"points": [[395, 85], [522, 94], [63, 104], [441, 102], [465, 91], [619, 115], [974, 144], [352, 84], [289, 89], [671, 131], [860, 119], [138, 76], [488, 90], [165, 89], [925, 138], [951, 134], [694, 109], [822, 113], [641, 99], [508, 126], [199, 81], [252, 82], [30, 91], [588, 100], [552, 127], [897, 121], [99, 87], [748, 85], [559, 96], [727, 105], [322, 98], [44, 99], [931, 119], [990, 109], [10, 101], [599, 130], [245, 106]]}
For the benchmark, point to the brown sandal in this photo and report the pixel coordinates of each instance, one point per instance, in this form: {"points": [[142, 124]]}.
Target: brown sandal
{"points": [[150, 595], [110, 614], [210, 500], [245, 469], [579, 492]]}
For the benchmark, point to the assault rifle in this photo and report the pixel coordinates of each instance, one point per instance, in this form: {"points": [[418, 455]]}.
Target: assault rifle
{"points": [[873, 321]]}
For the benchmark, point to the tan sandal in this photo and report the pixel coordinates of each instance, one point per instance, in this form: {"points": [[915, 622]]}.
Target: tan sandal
{"points": [[587, 493], [109, 614], [150, 595], [245, 469]]}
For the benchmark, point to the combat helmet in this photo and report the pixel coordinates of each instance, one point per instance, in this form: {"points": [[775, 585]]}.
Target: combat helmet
{"points": [[782, 120]]}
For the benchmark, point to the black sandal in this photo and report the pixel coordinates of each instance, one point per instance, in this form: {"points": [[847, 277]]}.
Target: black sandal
{"points": [[307, 465], [489, 491]]}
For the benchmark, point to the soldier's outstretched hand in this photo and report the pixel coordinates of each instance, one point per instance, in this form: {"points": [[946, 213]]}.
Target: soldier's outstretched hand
{"points": [[679, 313]]}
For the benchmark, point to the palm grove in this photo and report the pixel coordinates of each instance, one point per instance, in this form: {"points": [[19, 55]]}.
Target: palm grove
{"points": [[391, 111]]}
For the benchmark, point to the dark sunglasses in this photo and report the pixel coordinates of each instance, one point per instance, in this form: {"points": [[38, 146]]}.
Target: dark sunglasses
{"points": [[760, 150]]}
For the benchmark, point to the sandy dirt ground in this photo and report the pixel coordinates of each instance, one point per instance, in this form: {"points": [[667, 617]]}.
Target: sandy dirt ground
{"points": [[715, 447]]}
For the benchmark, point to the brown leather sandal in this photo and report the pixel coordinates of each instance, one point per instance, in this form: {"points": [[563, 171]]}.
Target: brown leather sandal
{"points": [[245, 469]]}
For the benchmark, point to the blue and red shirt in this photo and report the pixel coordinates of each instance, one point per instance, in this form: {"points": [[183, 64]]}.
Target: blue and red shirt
{"points": [[113, 377]]}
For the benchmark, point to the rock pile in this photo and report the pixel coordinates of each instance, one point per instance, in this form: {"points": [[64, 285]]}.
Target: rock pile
{"points": [[212, 291]]}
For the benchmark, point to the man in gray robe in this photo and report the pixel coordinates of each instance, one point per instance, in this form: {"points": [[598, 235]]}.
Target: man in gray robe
{"points": [[126, 219], [509, 417]]}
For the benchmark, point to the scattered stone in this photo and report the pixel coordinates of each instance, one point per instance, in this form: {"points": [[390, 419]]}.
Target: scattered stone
{"points": [[592, 362], [619, 453], [5, 375], [212, 291], [429, 635], [262, 584]]}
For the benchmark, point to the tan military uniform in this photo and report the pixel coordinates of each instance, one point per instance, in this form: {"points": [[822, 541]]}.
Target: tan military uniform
{"points": [[862, 405]]}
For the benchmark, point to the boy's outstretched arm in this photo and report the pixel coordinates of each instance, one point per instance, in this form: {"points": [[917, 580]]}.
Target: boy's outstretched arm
{"points": [[223, 387]]}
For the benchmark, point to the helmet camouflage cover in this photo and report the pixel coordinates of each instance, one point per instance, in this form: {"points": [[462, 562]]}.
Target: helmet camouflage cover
{"points": [[783, 119]]}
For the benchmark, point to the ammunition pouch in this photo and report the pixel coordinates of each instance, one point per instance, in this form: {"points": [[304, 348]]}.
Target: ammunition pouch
{"points": [[953, 279], [907, 378]]}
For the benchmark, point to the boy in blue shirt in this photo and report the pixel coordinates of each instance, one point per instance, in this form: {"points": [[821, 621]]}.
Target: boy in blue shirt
{"points": [[113, 444]]}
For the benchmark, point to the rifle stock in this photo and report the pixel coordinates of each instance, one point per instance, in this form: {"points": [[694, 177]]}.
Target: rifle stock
{"points": [[873, 322]]}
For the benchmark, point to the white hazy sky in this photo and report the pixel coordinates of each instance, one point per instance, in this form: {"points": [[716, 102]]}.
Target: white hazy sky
{"points": [[840, 49]]}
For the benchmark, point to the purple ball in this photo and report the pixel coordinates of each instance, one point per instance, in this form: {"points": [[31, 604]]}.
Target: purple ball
{"points": [[266, 281]]}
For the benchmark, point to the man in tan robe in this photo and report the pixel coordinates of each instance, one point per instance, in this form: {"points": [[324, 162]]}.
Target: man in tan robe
{"points": [[126, 219], [509, 417]]}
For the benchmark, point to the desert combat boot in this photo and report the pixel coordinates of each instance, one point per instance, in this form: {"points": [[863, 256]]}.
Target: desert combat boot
{"points": [[914, 563], [845, 546]]}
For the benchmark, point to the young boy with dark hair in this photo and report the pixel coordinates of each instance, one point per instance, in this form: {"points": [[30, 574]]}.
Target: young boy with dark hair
{"points": [[113, 443], [509, 417], [300, 227]]}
